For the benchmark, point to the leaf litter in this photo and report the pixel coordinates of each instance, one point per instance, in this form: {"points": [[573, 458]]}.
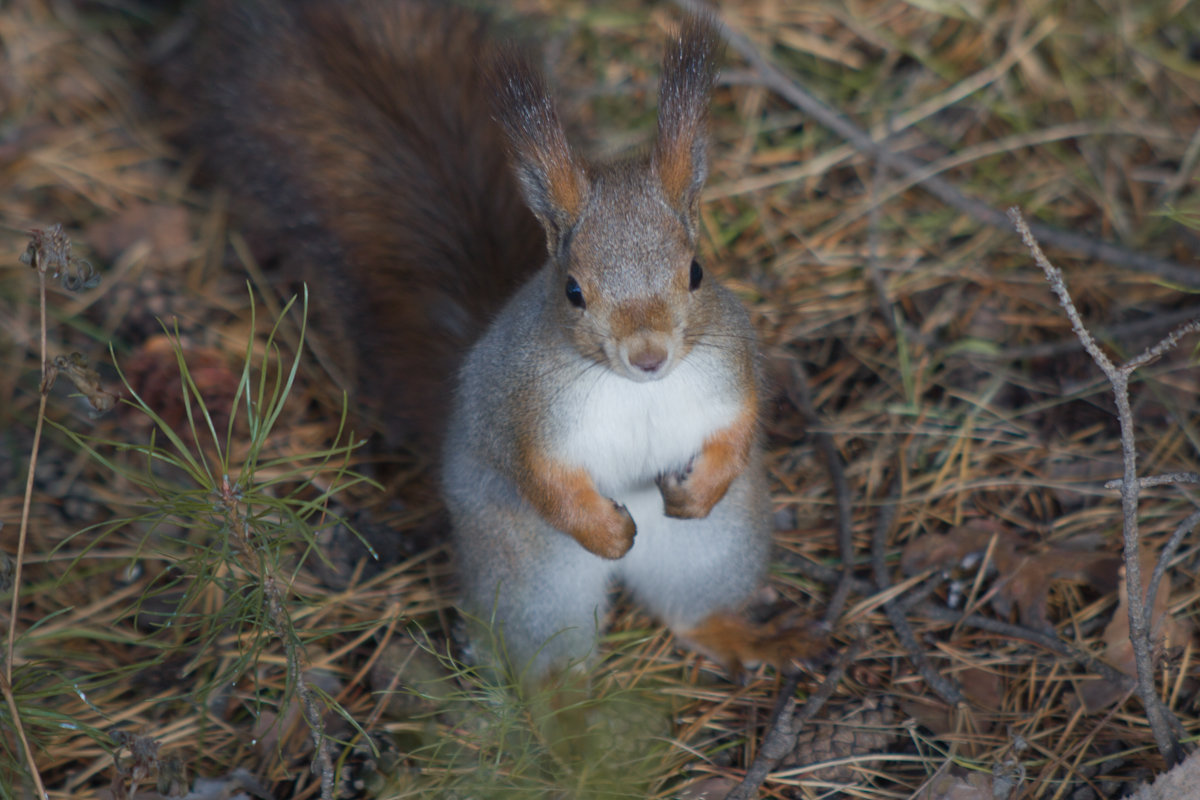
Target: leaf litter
{"points": [[938, 362]]}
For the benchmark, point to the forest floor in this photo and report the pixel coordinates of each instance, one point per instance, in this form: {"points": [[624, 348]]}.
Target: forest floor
{"points": [[939, 441]]}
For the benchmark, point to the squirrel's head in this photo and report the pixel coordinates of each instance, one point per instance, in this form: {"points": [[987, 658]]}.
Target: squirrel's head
{"points": [[622, 237]]}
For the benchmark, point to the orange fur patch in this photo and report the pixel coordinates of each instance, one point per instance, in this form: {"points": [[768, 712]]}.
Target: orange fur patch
{"points": [[724, 455], [566, 497], [735, 642]]}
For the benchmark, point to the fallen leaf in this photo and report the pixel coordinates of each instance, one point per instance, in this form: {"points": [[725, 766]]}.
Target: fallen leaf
{"points": [[1165, 632], [1025, 573], [87, 380], [974, 786], [163, 229], [984, 691]]}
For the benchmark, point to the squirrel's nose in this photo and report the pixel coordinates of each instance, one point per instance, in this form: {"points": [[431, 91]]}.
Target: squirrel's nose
{"points": [[649, 359]]}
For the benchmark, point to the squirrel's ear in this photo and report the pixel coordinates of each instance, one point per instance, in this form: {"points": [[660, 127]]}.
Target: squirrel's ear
{"points": [[680, 156], [552, 180]]}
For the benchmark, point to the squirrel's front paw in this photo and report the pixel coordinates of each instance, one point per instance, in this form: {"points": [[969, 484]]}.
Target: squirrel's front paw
{"points": [[680, 496], [613, 535]]}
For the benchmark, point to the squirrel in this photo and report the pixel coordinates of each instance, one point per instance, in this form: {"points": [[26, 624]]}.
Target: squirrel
{"points": [[605, 424]]}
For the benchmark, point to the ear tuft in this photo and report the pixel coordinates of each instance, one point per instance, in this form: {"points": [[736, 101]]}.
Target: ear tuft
{"points": [[680, 156], [553, 181]]}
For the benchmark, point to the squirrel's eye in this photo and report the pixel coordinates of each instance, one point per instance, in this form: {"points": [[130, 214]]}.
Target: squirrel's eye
{"points": [[696, 276], [574, 293]]}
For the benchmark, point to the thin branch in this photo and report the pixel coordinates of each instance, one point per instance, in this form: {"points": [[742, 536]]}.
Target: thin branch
{"points": [[946, 689], [1168, 552], [801, 398], [1058, 285], [1157, 714], [922, 592], [1053, 643], [786, 721], [915, 602], [23, 533], [1155, 352], [1157, 480], [49, 254], [826, 575], [11, 700], [779, 740], [1162, 318], [308, 701], [886, 309], [1086, 248], [40, 247]]}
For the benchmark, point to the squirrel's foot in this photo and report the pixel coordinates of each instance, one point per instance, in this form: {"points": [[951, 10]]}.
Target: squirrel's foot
{"points": [[737, 643], [686, 494]]}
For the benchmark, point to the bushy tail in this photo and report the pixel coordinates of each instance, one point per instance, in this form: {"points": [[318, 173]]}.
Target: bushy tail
{"points": [[358, 142]]}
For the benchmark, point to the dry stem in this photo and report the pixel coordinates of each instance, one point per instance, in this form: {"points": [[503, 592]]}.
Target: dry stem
{"points": [[946, 689], [43, 392], [1159, 717], [786, 722], [1158, 480], [802, 400], [28, 501], [790, 89]]}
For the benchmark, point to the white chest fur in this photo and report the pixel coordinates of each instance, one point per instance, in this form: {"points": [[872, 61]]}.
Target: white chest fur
{"points": [[625, 433]]}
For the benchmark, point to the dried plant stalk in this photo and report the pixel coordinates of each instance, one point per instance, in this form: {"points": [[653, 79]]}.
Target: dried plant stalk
{"points": [[1162, 722]]}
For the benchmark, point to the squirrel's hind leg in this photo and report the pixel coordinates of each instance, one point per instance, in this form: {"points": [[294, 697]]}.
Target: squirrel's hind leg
{"points": [[698, 576], [734, 641], [534, 598]]}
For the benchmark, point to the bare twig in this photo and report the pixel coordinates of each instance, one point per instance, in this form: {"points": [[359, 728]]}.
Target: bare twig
{"points": [[801, 398], [11, 701], [786, 721], [308, 701], [945, 688], [35, 259], [886, 309], [1157, 480], [1053, 643], [916, 602], [780, 738], [1168, 552], [23, 533], [826, 575], [793, 91], [49, 252], [1157, 714], [1155, 352]]}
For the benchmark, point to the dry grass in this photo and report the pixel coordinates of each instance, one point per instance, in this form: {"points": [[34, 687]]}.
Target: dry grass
{"points": [[937, 358]]}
